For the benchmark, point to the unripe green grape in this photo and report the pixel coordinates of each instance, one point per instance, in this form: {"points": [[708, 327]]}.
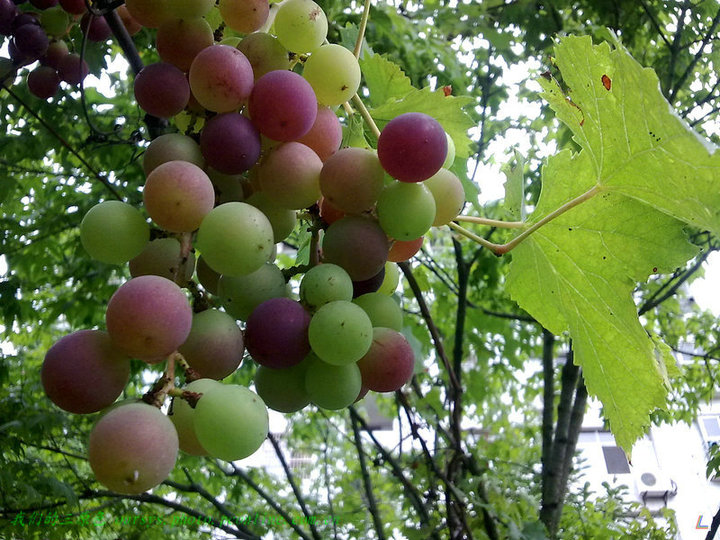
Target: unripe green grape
{"points": [[382, 310], [55, 20], [114, 232], [340, 332], [301, 26], [391, 280], [240, 295], [325, 283], [283, 220], [182, 414], [450, 158], [265, 53], [334, 73], [283, 390], [406, 211], [188, 9], [449, 195], [230, 421], [235, 239], [332, 387]]}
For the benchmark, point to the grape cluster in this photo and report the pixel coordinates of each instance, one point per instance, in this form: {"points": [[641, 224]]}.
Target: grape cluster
{"points": [[38, 35], [269, 147]]}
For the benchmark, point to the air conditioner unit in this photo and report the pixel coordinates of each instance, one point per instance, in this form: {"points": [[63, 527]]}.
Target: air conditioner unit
{"points": [[654, 484]]}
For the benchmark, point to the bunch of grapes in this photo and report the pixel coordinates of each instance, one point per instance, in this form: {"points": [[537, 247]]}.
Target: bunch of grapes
{"points": [[269, 148], [39, 36]]}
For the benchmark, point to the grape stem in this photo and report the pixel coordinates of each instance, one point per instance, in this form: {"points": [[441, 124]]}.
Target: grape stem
{"points": [[366, 115], [156, 395], [502, 249], [361, 31], [491, 222]]}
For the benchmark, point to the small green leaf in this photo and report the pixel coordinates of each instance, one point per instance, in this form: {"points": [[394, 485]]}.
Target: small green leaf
{"points": [[515, 187]]}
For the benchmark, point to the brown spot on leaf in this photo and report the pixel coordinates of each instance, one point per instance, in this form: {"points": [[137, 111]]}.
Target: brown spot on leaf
{"points": [[607, 83], [447, 90]]}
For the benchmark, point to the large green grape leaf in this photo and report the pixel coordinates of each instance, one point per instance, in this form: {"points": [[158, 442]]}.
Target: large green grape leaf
{"points": [[648, 177]]}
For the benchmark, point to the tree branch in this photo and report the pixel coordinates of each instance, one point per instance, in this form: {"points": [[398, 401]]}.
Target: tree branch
{"points": [[548, 408], [372, 505]]}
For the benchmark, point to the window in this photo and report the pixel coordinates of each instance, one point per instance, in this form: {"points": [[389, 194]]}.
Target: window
{"points": [[615, 460]]}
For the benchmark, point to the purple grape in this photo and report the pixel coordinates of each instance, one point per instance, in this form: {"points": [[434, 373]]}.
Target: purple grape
{"points": [[162, 90], [73, 69], [230, 143], [412, 147], [8, 13], [31, 41], [97, 30], [43, 82], [277, 333]]}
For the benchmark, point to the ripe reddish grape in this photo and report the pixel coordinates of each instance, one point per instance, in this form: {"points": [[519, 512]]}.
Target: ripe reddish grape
{"points": [[43, 82], [129, 22], [133, 448], [148, 317], [277, 333], [97, 28], [221, 78], [73, 69], [358, 245], [83, 372], [389, 363], [161, 90], [179, 41], [403, 250], [290, 175], [352, 180], [178, 195], [57, 50], [328, 212], [74, 7], [282, 105], [325, 136], [230, 143], [412, 147], [214, 348]]}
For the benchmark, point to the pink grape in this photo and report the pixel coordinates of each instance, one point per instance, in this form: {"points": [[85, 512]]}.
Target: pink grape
{"points": [[325, 136], [221, 78], [133, 448], [389, 363], [403, 250], [162, 90], [412, 147], [149, 13], [148, 317], [74, 7], [282, 105], [84, 372], [230, 143], [57, 50], [277, 333], [170, 147], [215, 345], [178, 195]]}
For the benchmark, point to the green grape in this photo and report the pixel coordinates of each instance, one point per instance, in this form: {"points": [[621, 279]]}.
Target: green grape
{"points": [[325, 283], [114, 232], [301, 26], [391, 280], [182, 414], [282, 219], [240, 295], [450, 158], [449, 195], [334, 73], [382, 310], [190, 9], [406, 211], [340, 332], [332, 387], [283, 390], [235, 239], [230, 421], [55, 20]]}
